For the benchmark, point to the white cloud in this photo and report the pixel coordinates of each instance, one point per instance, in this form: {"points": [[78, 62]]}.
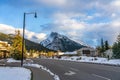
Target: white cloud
{"points": [[7, 29], [113, 15], [40, 36], [54, 2], [71, 25], [116, 24], [67, 23], [36, 37], [116, 3], [89, 17], [90, 33]]}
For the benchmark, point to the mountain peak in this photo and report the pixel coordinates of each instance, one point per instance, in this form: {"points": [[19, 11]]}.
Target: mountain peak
{"points": [[54, 34], [56, 41]]}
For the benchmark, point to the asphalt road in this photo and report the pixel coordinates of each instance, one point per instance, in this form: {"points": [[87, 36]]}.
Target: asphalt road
{"points": [[68, 70]]}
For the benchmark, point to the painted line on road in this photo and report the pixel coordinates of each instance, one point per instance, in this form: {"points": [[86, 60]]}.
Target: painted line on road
{"points": [[70, 73], [101, 77], [74, 69]]}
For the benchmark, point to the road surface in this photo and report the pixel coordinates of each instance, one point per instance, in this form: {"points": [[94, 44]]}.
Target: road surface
{"points": [[68, 70]]}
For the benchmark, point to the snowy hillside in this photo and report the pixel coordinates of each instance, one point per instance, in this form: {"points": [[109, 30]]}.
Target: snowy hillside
{"points": [[60, 42]]}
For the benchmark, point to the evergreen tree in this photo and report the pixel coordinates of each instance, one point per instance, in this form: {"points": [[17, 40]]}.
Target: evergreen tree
{"points": [[118, 38], [17, 41], [102, 46], [116, 48], [106, 45], [17, 46]]}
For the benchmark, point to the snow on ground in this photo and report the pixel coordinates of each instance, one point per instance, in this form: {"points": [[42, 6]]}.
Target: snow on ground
{"points": [[28, 62], [13, 73], [10, 60], [74, 52], [114, 62], [56, 77], [99, 60]]}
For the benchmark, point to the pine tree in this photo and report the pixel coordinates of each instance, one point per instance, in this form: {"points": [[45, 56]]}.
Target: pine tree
{"points": [[17, 46], [102, 46], [106, 45], [17, 41], [116, 48], [118, 38]]}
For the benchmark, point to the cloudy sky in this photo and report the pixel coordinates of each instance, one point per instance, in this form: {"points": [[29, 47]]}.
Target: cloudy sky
{"points": [[80, 20]]}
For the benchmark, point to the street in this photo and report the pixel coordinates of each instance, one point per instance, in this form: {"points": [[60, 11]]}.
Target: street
{"points": [[68, 70]]}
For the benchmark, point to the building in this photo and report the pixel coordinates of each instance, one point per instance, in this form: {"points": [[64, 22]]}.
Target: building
{"points": [[4, 49], [87, 51]]}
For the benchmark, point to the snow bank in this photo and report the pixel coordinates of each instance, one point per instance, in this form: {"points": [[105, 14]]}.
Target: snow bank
{"points": [[10, 60], [92, 60], [114, 62], [13, 73]]}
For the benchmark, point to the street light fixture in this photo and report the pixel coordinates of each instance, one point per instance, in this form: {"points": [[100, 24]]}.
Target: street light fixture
{"points": [[24, 17]]}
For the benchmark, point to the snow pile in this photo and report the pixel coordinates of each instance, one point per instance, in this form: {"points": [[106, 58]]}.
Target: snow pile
{"points": [[13, 73], [74, 52], [92, 60], [56, 77], [33, 65], [114, 62], [1, 60], [10, 60]]}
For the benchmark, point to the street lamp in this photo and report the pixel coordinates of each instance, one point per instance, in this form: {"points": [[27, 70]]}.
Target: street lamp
{"points": [[35, 15]]}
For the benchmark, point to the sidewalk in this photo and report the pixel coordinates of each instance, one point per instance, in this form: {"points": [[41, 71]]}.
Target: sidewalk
{"points": [[38, 74]]}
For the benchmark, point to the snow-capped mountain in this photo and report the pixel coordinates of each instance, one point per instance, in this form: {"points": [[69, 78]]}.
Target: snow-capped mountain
{"points": [[60, 42]]}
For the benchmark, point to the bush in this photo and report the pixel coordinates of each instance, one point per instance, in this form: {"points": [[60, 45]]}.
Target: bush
{"points": [[17, 55], [95, 58], [72, 58], [79, 58]]}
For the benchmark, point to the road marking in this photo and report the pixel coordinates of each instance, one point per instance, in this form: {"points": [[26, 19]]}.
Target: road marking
{"points": [[101, 77], [74, 69], [70, 73]]}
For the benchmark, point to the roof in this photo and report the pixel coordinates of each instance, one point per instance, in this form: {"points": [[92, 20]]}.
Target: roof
{"points": [[87, 48]]}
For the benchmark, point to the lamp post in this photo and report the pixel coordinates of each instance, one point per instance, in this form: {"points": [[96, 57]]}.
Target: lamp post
{"points": [[24, 17]]}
